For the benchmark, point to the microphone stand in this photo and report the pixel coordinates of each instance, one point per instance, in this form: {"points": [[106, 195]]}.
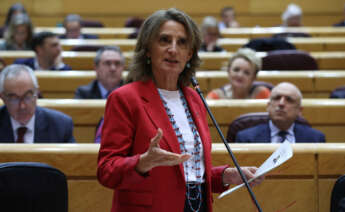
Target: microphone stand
{"points": [[244, 179]]}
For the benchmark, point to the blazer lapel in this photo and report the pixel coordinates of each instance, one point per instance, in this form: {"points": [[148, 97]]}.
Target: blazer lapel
{"points": [[6, 130], [41, 127], [265, 134], [154, 107]]}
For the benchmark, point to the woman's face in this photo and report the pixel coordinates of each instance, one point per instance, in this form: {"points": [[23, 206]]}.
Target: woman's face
{"points": [[241, 74], [21, 34], [170, 50]]}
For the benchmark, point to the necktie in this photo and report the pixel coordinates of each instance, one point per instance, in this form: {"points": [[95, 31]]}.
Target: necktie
{"points": [[21, 132], [282, 135]]}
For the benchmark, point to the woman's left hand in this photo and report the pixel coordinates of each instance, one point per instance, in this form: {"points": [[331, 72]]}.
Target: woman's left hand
{"points": [[232, 176]]}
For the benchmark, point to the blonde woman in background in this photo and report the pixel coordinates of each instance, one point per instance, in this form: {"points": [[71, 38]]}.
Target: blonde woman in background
{"points": [[242, 70]]}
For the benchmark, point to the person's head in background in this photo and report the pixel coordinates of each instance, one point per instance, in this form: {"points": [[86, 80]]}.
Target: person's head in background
{"points": [[243, 67], [19, 33], [47, 48], [284, 105], [228, 17], [14, 10], [134, 22], [109, 64], [146, 60], [72, 25], [210, 34], [19, 91], [292, 16]]}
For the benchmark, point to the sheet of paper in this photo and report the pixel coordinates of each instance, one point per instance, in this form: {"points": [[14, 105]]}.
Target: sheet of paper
{"points": [[282, 154]]}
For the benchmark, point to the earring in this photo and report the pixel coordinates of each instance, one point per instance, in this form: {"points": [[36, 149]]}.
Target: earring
{"points": [[148, 61], [188, 65]]}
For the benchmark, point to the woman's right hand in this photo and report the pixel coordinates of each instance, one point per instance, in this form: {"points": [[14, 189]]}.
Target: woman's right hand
{"points": [[155, 156]]}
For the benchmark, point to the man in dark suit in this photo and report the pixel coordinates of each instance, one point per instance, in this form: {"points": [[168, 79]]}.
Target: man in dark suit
{"points": [[284, 106], [21, 120], [48, 53], [109, 64], [72, 25]]}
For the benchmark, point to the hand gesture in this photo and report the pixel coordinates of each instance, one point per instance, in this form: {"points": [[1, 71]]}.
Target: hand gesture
{"points": [[232, 176], [155, 156]]}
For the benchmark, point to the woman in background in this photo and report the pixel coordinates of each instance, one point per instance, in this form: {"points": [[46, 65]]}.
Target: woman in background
{"points": [[19, 33], [15, 9], [243, 68]]}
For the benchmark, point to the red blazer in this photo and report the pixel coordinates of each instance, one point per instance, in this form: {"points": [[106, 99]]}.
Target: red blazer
{"points": [[133, 114]]}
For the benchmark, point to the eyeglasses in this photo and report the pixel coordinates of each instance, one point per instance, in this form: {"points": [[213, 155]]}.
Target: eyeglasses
{"points": [[15, 100], [109, 63]]}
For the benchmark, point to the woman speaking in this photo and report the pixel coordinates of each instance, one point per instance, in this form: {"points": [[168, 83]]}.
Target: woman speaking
{"points": [[156, 146]]}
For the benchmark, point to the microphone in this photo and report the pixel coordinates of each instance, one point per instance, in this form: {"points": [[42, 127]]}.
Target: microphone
{"points": [[244, 179]]}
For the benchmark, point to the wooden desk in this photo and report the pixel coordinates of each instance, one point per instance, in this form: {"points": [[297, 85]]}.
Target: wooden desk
{"points": [[243, 32], [323, 114], [313, 84], [230, 44], [210, 61], [256, 32], [104, 32], [306, 44], [298, 183]]}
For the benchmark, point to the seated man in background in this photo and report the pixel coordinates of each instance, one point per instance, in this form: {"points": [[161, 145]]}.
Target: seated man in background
{"points": [[72, 25], [292, 16], [48, 53], [284, 106], [228, 18], [210, 34], [109, 64], [21, 120]]}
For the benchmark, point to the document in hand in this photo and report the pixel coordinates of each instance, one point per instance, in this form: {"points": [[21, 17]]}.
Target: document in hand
{"points": [[282, 154]]}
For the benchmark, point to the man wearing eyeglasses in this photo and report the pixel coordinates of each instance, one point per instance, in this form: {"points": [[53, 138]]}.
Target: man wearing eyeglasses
{"points": [[109, 64], [21, 120]]}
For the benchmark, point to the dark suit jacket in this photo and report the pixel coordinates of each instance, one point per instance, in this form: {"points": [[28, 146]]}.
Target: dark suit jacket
{"points": [[340, 24], [83, 36], [262, 134], [31, 63], [50, 127], [90, 91], [338, 92]]}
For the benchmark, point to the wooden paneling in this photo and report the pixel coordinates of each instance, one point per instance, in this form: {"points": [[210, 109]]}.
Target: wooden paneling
{"points": [[248, 12], [297, 185], [210, 61]]}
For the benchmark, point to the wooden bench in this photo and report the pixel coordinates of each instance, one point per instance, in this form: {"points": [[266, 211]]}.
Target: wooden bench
{"points": [[210, 61], [323, 114], [303, 183], [259, 32], [229, 44], [243, 32], [248, 12], [313, 84]]}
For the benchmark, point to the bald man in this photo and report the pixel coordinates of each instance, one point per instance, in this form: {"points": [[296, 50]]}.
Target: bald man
{"points": [[284, 106]]}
